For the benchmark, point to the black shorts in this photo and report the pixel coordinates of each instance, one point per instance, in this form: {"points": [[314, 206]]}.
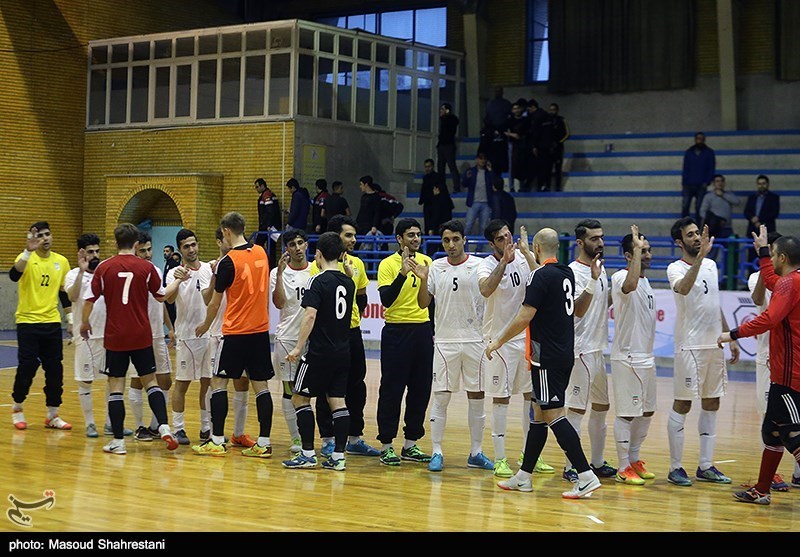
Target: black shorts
{"points": [[550, 385], [323, 376], [117, 362], [782, 405], [245, 353]]}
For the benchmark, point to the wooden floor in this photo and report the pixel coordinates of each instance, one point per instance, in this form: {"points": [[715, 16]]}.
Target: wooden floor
{"points": [[153, 490]]}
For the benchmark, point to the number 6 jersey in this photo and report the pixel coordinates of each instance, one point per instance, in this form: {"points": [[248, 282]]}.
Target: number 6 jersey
{"points": [[331, 293]]}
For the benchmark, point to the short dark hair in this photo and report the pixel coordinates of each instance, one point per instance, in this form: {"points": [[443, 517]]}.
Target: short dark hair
{"points": [[39, 225], [494, 226], [182, 235], [498, 182], [584, 225], [261, 182], [88, 239], [533, 102], [149, 239], [676, 232], [336, 184], [790, 247], [292, 233], [218, 234], [404, 224], [453, 225], [292, 183], [627, 242], [447, 106], [233, 221], [772, 236], [366, 180], [336, 222], [429, 161], [322, 184], [555, 105], [126, 235], [330, 246], [717, 176], [762, 177]]}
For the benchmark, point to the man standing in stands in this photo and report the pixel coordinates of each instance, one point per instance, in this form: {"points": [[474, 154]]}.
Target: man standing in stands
{"points": [[560, 135], [762, 207], [699, 167], [446, 146], [269, 217], [299, 206], [169, 263]]}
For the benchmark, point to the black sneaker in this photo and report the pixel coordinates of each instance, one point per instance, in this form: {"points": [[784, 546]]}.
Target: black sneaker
{"points": [[182, 438], [144, 434], [604, 471], [205, 435], [414, 453]]}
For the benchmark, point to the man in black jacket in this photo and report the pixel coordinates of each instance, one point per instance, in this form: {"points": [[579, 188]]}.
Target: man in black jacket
{"points": [[762, 207], [446, 146]]}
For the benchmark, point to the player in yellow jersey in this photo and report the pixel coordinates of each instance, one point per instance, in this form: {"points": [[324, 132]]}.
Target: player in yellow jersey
{"points": [[41, 274]]}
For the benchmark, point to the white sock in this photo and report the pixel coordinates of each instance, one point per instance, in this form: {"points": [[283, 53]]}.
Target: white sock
{"points": [[639, 428], [52, 412], [108, 395], [408, 443], [574, 418], [622, 437], [177, 421], [707, 428], [263, 441], [291, 418], [85, 398], [499, 427], [205, 420], [240, 412], [597, 436], [438, 420], [135, 398], [675, 433], [476, 418]]}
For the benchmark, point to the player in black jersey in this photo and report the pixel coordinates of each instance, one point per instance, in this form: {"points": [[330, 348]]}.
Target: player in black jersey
{"points": [[328, 304], [548, 309]]}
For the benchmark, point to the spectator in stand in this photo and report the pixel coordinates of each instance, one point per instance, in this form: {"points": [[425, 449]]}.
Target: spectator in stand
{"points": [[503, 205], [269, 218], [716, 211], [446, 145], [519, 128], [318, 218], [336, 204], [477, 181], [540, 146], [762, 207], [369, 216], [560, 135], [494, 141], [439, 210], [430, 179], [699, 167], [299, 206], [391, 208]]}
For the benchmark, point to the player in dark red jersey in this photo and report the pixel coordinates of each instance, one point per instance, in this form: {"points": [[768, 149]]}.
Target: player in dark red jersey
{"points": [[126, 282]]}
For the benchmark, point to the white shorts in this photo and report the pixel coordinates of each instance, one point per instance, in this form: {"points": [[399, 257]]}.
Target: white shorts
{"points": [[457, 361], [211, 357], [161, 353], [634, 387], [699, 372], [588, 382], [189, 358], [507, 373], [90, 359], [762, 386], [284, 370]]}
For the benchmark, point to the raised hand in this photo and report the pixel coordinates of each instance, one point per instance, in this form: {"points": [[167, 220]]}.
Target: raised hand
{"points": [[348, 267], [283, 261], [421, 270], [33, 242], [523, 243], [509, 253], [405, 268], [83, 260], [760, 239], [706, 243], [637, 241], [597, 266]]}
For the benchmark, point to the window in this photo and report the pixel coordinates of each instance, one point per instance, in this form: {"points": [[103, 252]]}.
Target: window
{"points": [[538, 67], [428, 26]]}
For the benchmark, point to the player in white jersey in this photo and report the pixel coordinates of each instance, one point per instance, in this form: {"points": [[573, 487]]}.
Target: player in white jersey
{"points": [[502, 277], [292, 273], [185, 285], [90, 355], [633, 364], [458, 341], [241, 385], [588, 382], [699, 369], [159, 319], [761, 297]]}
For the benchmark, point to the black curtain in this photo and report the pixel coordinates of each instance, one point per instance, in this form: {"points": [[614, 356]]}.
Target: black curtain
{"points": [[613, 46], [788, 38]]}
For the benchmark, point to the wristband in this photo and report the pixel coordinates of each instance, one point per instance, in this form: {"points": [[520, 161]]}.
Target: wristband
{"points": [[590, 287], [763, 251], [25, 255], [70, 319]]}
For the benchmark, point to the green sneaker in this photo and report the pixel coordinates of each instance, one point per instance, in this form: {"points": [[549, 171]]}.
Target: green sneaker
{"points": [[332, 464], [389, 458], [415, 454], [502, 469], [543, 468]]}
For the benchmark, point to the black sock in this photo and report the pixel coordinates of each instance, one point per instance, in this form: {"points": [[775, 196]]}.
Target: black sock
{"points": [[116, 412], [537, 437], [219, 411], [570, 443], [157, 402], [264, 408], [341, 425], [305, 425]]}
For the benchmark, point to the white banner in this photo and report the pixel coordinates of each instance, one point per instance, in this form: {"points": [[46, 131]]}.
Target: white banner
{"points": [[738, 308]]}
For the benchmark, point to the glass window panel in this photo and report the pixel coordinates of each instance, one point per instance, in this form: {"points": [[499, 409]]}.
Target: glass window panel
{"points": [[367, 22], [183, 91], [381, 91], [119, 53], [399, 25], [447, 92], [254, 82], [184, 46], [139, 93], [364, 49], [97, 97], [325, 88], [232, 42], [447, 66], [206, 89], [307, 39], [99, 54], [404, 57], [256, 40], [207, 44], [382, 53], [424, 107], [141, 51], [403, 108], [163, 49], [345, 46], [161, 103], [305, 85], [279, 83], [344, 91], [540, 61], [119, 96], [363, 83], [538, 19], [326, 42], [280, 38], [334, 21], [430, 26], [230, 88], [424, 61]]}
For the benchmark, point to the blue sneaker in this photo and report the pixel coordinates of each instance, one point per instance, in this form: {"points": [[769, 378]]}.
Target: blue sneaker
{"points": [[679, 477], [436, 464], [480, 461], [570, 474], [301, 461], [327, 448], [604, 471], [360, 447], [711, 474]]}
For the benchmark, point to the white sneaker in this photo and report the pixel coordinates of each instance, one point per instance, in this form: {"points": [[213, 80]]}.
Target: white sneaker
{"points": [[582, 489], [514, 484], [18, 419], [117, 446]]}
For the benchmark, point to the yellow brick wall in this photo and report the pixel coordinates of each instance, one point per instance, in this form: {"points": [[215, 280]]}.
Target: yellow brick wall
{"points": [[506, 42], [756, 50], [240, 153]]}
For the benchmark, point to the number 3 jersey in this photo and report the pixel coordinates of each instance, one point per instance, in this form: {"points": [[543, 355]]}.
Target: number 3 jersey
{"points": [[698, 321], [331, 293], [294, 286], [458, 300]]}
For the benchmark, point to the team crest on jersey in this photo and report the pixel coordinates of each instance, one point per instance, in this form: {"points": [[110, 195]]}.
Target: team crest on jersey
{"points": [[576, 390], [635, 400], [56, 266], [687, 382], [495, 380], [183, 364]]}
